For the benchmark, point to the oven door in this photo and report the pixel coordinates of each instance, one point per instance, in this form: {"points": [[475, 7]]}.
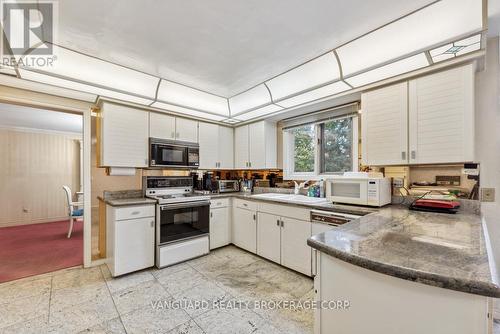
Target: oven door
{"points": [[168, 155], [347, 191], [182, 221]]}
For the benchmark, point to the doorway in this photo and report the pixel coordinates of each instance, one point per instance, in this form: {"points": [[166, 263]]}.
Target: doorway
{"points": [[41, 154]]}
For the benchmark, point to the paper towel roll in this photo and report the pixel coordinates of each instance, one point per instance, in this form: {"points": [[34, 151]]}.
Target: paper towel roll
{"points": [[121, 171]]}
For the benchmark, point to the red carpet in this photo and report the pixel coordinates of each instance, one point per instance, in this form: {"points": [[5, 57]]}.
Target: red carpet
{"points": [[29, 250]]}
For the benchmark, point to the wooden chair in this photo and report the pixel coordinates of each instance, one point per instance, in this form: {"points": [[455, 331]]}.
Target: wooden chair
{"points": [[73, 212]]}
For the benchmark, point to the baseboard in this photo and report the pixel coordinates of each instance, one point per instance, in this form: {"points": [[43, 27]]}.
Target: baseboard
{"points": [[37, 221]]}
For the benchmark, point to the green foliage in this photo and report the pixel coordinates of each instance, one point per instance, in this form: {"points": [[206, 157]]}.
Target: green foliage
{"points": [[337, 146], [336, 150], [304, 149]]}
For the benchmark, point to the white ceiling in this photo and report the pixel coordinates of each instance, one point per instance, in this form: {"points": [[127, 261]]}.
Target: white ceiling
{"points": [[32, 118], [221, 46]]}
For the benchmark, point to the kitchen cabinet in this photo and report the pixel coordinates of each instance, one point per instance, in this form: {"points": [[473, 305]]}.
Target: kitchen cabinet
{"points": [[244, 234], [161, 126], [295, 253], [130, 238], [209, 145], [123, 136], [269, 236], [385, 125], [441, 117], [284, 240], [241, 154], [255, 146], [226, 147], [220, 223], [216, 146], [169, 127], [186, 130], [426, 120]]}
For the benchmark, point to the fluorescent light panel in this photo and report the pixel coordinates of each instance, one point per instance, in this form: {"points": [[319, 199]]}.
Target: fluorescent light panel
{"points": [[93, 71], [259, 112], [468, 45], [439, 22], [49, 80], [399, 67], [255, 97], [318, 93], [171, 92], [317, 72], [186, 111]]}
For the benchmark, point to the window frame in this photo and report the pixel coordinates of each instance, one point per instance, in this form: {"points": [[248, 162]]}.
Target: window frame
{"points": [[289, 150]]}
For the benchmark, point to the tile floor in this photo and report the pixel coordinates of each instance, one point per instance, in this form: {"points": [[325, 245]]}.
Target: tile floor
{"points": [[90, 301]]}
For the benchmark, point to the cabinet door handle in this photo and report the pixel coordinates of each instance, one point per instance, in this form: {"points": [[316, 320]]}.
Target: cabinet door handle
{"points": [[278, 222], [403, 155], [152, 223], [250, 164], [282, 224], [413, 154], [211, 214], [254, 218]]}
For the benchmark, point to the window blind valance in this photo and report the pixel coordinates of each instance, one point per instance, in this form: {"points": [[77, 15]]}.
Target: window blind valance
{"points": [[321, 116]]}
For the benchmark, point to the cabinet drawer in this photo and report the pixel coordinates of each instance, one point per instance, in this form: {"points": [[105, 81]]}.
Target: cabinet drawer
{"points": [[243, 204], [285, 211], [219, 203], [133, 212]]}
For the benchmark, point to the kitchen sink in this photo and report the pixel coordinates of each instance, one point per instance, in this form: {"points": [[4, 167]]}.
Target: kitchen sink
{"points": [[291, 198]]}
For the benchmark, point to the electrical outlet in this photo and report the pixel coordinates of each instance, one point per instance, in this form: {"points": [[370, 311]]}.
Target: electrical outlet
{"points": [[398, 182], [487, 194]]}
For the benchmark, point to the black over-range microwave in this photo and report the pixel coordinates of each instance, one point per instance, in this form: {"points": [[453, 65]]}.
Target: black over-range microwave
{"points": [[172, 153]]}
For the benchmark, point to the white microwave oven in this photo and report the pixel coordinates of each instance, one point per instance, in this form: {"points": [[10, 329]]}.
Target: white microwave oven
{"points": [[359, 190]]}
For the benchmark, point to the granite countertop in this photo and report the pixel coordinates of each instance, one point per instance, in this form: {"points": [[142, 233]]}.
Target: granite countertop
{"points": [[450, 251], [129, 201], [125, 197], [321, 205]]}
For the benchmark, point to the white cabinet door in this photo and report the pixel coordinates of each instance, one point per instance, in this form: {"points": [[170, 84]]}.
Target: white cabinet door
{"points": [[226, 147], [209, 145], [161, 126], [295, 253], [442, 117], [219, 227], [245, 229], [257, 145], [241, 147], [124, 136], [268, 236], [134, 245], [384, 125], [186, 130]]}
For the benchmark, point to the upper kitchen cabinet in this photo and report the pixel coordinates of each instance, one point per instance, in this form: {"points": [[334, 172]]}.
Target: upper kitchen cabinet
{"points": [[441, 117], [186, 130], [385, 125], [255, 146], [426, 120], [216, 146], [161, 126], [165, 126], [123, 136]]}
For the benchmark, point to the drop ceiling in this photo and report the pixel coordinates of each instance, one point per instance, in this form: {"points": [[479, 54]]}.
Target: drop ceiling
{"points": [[235, 61]]}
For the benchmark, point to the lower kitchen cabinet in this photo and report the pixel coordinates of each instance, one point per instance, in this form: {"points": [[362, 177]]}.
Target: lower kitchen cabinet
{"points": [[220, 226], [284, 240], [130, 238], [295, 253], [245, 229], [268, 236]]}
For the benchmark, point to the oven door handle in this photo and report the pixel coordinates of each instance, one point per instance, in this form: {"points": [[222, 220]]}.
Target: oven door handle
{"points": [[183, 205]]}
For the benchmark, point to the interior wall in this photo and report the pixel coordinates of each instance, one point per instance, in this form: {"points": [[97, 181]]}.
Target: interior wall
{"points": [[34, 167], [488, 138]]}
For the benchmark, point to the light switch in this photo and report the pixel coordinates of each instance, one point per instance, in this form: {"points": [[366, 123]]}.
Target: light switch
{"points": [[487, 194]]}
